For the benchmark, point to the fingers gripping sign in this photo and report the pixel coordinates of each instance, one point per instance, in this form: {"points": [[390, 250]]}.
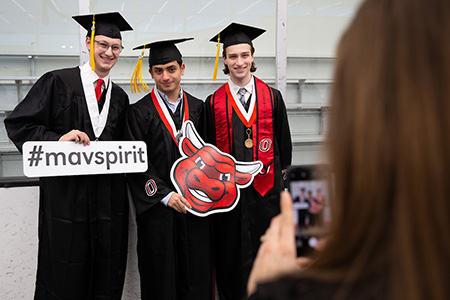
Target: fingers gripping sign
{"points": [[77, 136], [178, 203]]}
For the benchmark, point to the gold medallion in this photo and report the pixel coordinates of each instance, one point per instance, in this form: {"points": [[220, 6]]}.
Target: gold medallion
{"points": [[248, 143]]}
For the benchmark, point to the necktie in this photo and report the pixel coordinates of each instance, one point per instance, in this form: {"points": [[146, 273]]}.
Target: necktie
{"points": [[242, 92], [98, 88]]}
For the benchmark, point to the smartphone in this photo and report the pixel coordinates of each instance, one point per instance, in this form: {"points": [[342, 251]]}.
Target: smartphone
{"points": [[308, 185]]}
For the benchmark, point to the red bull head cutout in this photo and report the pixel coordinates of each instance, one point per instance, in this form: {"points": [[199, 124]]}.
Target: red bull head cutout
{"points": [[208, 178]]}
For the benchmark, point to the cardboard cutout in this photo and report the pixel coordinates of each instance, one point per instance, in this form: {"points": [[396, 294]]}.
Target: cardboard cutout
{"points": [[208, 178]]}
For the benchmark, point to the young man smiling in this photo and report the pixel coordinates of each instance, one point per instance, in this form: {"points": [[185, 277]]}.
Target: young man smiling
{"points": [[83, 220], [106, 53], [173, 246], [247, 119]]}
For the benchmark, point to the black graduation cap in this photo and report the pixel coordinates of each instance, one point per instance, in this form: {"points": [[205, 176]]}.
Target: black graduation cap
{"points": [[107, 24], [163, 52], [236, 33]]}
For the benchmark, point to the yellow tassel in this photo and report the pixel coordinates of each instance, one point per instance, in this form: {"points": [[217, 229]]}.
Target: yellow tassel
{"points": [[217, 59], [137, 83], [92, 43]]}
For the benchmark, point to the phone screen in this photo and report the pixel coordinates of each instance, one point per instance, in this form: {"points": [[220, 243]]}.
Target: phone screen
{"points": [[308, 185]]}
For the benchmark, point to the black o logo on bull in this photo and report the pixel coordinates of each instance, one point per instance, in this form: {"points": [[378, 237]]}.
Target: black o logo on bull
{"points": [[150, 187], [265, 145]]}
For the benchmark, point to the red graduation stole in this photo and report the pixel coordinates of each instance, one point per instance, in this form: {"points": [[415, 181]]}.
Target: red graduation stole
{"points": [[261, 122], [165, 118]]}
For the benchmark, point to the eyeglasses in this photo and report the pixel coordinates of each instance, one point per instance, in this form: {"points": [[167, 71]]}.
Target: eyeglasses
{"points": [[116, 49]]}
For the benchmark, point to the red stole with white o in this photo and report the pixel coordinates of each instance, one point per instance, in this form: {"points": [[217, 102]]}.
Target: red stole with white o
{"points": [[261, 123], [165, 115]]}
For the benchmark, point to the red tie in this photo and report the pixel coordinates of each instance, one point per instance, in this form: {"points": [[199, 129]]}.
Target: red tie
{"points": [[98, 88]]}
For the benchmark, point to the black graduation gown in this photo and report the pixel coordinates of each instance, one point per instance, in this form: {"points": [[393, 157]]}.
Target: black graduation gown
{"points": [[83, 220], [237, 232], [173, 249]]}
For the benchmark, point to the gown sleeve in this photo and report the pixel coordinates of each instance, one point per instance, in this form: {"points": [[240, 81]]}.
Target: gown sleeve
{"points": [[282, 131], [31, 119]]}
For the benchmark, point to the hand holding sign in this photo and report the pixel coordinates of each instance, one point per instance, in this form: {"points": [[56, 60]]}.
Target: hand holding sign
{"points": [[77, 136]]}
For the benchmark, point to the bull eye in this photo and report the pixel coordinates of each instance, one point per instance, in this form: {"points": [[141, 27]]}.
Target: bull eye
{"points": [[224, 176], [199, 162]]}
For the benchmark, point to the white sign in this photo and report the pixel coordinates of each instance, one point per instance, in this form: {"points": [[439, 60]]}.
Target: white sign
{"points": [[43, 159]]}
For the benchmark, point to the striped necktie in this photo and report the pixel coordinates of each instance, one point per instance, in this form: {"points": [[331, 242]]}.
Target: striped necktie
{"points": [[242, 92]]}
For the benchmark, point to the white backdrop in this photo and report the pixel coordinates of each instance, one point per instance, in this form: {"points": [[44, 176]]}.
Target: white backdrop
{"points": [[46, 27]]}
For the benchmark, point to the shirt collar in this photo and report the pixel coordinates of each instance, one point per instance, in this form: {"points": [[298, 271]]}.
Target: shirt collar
{"points": [[172, 106], [105, 80], [93, 77], [234, 88]]}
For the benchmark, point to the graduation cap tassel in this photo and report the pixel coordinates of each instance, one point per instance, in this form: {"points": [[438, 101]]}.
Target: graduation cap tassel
{"points": [[137, 81], [217, 59], [92, 43]]}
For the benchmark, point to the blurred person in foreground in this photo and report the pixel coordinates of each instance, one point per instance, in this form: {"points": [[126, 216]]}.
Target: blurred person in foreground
{"points": [[389, 148]]}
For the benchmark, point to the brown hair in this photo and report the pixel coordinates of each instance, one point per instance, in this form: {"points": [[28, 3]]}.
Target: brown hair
{"points": [[226, 71], [389, 147]]}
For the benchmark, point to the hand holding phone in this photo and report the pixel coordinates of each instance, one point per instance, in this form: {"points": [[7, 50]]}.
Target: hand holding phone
{"points": [[277, 253], [308, 185]]}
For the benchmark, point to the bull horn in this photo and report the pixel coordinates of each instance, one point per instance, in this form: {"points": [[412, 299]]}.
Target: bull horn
{"points": [[249, 168], [191, 134]]}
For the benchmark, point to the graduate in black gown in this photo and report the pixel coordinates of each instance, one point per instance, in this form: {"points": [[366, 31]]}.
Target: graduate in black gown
{"points": [[83, 220], [250, 124], [174, 254]]}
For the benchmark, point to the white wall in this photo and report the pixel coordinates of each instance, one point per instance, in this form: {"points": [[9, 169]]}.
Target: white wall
{"points": [[46, 27], [18, 247]]}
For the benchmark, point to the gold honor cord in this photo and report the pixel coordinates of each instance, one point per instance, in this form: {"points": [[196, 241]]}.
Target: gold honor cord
{"points": [[137, 83], [92, 43], [217, 58]]}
